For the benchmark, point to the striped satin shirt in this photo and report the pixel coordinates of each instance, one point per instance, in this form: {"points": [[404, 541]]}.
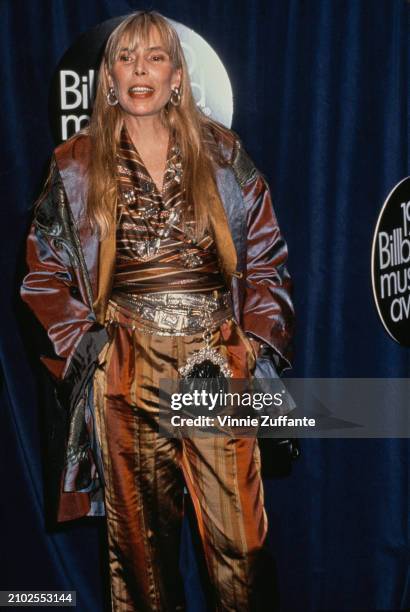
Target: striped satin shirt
{"points": [[155, 246]]}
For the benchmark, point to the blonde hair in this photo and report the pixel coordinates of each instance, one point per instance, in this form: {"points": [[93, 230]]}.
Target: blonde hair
{"points": [[186, 122]]}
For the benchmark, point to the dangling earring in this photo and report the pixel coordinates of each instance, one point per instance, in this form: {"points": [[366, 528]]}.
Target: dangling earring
{"points": [[175, 98], [112, 99]]}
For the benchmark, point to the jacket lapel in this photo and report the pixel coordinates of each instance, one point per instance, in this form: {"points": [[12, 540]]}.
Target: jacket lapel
{"points": [[234, 226], [106, 269], [72, 160]]}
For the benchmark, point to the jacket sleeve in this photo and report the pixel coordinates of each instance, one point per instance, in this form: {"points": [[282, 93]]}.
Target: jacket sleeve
{"points": [[54, 287], [268, 311]]}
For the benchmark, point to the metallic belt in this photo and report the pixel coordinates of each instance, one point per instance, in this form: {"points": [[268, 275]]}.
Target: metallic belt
{"points": [[176, 314]]}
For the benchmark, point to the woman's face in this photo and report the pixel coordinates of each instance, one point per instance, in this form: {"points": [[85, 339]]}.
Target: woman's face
{"points": [[144, 77]]}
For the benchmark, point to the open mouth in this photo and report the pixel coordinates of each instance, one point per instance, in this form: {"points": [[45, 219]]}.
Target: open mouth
{"points": [[140, 91]]}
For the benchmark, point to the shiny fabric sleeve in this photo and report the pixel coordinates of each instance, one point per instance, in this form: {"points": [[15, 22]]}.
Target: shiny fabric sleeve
{"points": [[268, 311], [54, 287]]}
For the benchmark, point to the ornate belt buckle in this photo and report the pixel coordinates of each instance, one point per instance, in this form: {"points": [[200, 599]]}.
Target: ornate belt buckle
{"points": [[169, 321]]}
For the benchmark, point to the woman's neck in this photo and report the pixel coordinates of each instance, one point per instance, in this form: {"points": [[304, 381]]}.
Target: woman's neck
{"points": [[146, 129]]}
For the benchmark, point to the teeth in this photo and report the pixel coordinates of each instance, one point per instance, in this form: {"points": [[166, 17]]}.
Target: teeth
{"points": [[141, 89]]}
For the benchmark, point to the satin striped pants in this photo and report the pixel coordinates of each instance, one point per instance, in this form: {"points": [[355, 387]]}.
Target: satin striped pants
{"points": [[145, 475]]}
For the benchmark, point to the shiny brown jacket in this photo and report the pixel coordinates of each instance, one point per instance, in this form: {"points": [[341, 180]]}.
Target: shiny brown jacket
{"points": [[69, 282]]}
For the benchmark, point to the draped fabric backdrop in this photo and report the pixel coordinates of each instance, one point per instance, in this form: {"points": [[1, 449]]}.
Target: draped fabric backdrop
{"points": [[321, 101]]}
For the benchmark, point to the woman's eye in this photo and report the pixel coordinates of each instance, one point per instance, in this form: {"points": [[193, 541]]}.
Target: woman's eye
{"points": [[125, 57], [157, 58]]}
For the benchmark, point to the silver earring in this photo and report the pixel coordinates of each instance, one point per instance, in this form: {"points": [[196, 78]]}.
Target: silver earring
{"points": [[112, 99], [175, 98]]}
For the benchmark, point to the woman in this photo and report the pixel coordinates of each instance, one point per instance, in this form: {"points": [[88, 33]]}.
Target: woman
{"points": [[156, 239]]}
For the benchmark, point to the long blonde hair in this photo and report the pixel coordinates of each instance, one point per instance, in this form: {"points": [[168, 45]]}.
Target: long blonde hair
{"points": [[186, 122]]}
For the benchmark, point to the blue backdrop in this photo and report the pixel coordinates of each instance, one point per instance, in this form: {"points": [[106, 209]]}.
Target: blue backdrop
{"points": [[321, 101]]}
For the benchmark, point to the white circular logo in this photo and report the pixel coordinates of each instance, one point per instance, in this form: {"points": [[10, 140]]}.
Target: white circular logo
{"points": [[73, 84], [391, 263]]}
